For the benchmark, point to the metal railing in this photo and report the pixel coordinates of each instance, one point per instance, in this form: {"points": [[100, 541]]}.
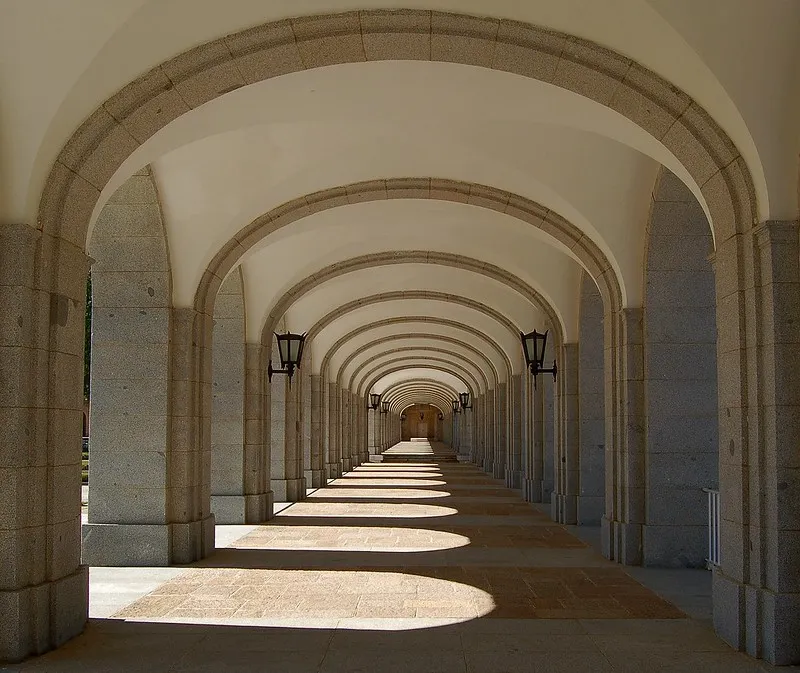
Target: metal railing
{"points": [[713, 527]]}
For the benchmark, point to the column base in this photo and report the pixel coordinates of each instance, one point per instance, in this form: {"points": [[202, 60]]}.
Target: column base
{"points": [[590, 509], [564, 508], [288, 490], [120, 544], [761, 622], [532, 489], [499, 471], [347, 465], [333, 470], [621, 542], [241, 509], [42, 617], [674, 546], [316, 478], [514, 479]]}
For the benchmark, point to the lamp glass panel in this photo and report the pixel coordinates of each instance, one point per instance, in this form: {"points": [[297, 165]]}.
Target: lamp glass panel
{"points": [[283, 348]]}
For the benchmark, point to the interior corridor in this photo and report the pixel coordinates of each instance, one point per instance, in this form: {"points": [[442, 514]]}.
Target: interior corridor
{"points": [[410, 564]]}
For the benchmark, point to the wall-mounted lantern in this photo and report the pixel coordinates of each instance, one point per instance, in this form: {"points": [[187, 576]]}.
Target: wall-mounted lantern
{"points": [[456, 407], [290, 350], [421, 415], [385, 408], [440, 416], [402, 417], [465, 403], [533, 345], [374, 401]]}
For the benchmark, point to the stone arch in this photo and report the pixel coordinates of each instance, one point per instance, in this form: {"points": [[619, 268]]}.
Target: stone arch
{"points": [[680, 374], [130, 380], [394, 321], [371, 378], [442, 338], [411, 294], [419, 257], [437, 351], [591, 459], [228, 358], [54, 261], [134, 114], [589, 255]]}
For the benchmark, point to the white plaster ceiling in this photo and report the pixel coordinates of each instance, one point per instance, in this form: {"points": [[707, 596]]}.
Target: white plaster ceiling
{"points": [[212, 188], [388, 363], [416, 347], [506, 340], [413, 327], [229, 161], [736, 57], [412, 373]]}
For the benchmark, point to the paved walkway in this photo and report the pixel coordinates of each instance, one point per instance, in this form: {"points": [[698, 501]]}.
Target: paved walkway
{"points": [[400, 567]]}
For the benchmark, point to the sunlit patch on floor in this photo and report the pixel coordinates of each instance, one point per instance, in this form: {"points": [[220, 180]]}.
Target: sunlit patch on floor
{"points": [[227, 593], [383, 493], [351, 538], [387, 482], [368, 510]]}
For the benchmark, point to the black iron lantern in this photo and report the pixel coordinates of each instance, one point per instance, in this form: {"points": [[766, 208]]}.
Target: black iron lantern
{"points": [[385, 408], [465, 403], [534, 345], [402, 417], [290, 350], [456, 407], [374, 401], [440, 416]]}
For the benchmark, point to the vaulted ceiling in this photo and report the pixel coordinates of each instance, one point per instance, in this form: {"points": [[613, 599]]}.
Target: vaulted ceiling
{"points": [[405, 283]]}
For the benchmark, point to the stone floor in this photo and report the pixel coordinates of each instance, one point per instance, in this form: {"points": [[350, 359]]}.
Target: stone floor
{"points": [[429, 567]]}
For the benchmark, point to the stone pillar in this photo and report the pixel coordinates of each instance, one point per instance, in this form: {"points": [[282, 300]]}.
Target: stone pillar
{"points": [[373, 423], [480, 431], [258, 498], [501, 432], [305, 420], [625, 440], [757, 587], [564, 501], [287, 482], [549, 438], [344, 430], [514, 462], [680, 377], [150, 406], [465, 433], [534, 473], [228, 399], [591, 500], [43, 586], [318, 475], [491, 415], [156, 510], [334, 465]]}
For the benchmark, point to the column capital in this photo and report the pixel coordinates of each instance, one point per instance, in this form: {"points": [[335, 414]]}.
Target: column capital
{"points": [[777, 231]]}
